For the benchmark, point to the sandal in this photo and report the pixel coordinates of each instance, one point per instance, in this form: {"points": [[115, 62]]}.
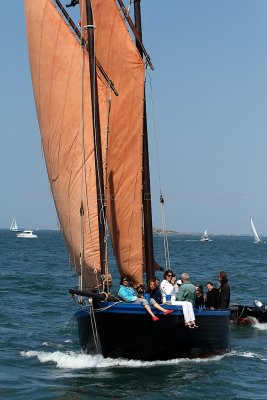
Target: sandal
{"points": [[155, 318]]}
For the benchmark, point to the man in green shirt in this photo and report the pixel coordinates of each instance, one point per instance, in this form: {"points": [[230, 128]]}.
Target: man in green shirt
{"points": [[187, 291]]}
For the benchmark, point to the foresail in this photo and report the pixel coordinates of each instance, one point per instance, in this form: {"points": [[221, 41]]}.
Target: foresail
{"points": [[58, 83], [120, 59]]}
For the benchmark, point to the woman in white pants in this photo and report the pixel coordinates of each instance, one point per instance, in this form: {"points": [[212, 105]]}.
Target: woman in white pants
{"points": [[169, 296]]}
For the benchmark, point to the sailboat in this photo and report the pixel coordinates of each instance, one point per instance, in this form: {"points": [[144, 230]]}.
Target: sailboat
{"points": [[205, 237], [89, 90], [257, 238], [14, 226]]}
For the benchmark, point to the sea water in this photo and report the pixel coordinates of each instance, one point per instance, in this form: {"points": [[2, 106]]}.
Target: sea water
{"points": [[40, 353]]}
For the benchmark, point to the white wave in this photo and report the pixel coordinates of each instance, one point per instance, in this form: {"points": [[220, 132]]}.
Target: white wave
{"points": [[246, 354], [47, 344], [72, 360], [260, 326]]}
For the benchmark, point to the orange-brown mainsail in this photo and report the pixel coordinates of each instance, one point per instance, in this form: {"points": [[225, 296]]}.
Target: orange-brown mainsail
{"points": [[60, 81]]}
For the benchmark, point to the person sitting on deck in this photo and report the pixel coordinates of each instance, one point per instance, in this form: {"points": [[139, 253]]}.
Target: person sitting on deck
{"points": [[129, 295], [167, 288], [153, 296], [211, 296], [153, 291], [187, 291]]}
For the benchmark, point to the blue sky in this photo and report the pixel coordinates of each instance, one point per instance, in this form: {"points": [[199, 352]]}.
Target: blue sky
{"points": [[210, 100]]}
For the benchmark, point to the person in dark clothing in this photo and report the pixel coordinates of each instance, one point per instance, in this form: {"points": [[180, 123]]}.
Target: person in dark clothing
{"points": [[154, 291], [211, 296], [199, 301], [224, 291]]}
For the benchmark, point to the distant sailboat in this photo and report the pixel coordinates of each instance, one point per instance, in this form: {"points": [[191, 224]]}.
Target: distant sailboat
{"points": [[14, 226], [205, 237], [257, 238]]}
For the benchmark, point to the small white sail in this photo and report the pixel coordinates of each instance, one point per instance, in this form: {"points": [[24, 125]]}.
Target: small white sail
{"points": [[205, 237], [257, 238], [14, 226]]}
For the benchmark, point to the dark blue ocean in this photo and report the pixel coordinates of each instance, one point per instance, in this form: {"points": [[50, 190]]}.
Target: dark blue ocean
{"points": [[40, 354]]}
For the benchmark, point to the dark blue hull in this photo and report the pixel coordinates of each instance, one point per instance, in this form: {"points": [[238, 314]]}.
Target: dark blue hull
{"points": [[126, 330]]}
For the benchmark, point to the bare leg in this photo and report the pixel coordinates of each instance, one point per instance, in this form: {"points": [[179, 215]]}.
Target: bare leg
{"points": [[147, 307]]}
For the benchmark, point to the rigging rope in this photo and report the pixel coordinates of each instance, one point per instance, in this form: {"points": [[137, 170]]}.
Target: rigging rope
{"points": [[83, 173], [105, 278], [94, 329], [162, 209]]}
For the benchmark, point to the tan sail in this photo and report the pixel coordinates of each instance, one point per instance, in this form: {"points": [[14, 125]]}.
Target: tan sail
{"points": [[56, 67], [117, 53]]}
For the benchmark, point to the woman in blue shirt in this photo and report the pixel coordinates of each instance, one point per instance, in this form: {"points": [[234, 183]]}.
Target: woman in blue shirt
{"points": [[129, 295]]}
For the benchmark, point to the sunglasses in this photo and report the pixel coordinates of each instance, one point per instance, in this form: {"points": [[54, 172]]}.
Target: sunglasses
{"points": [[169, 275]]}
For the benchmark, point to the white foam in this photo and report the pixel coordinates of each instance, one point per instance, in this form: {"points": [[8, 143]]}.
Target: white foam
{"points": [[246, 354], [260, 326], [72, 360]]}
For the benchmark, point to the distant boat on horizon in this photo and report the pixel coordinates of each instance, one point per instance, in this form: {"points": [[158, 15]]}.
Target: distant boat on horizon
{"points": [[27, 234], [205, 237], [14, 226], [257, 238]]}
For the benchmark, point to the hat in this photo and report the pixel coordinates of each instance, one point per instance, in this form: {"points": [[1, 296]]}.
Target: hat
{"points": [[179, 282]]}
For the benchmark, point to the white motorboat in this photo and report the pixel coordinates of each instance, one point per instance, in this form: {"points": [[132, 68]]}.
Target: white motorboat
{"points": [[27, 234]]}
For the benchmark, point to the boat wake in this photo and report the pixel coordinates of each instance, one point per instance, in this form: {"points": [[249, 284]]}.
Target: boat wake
{"points": [[247, 354], [261, 326], [73, 360]]}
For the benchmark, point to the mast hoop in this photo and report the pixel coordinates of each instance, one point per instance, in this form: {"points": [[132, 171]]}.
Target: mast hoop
{"points": [[89, 27]]}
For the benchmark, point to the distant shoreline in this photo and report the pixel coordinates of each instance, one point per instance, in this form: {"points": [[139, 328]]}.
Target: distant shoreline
{"points": [[157, 231]]}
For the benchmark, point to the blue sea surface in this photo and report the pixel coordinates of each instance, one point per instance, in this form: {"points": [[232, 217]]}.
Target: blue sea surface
{"points": [[40, 353]]}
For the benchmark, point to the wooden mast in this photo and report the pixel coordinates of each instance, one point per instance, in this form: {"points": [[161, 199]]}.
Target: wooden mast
{"points": [[101, 204], [147, 209]]}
